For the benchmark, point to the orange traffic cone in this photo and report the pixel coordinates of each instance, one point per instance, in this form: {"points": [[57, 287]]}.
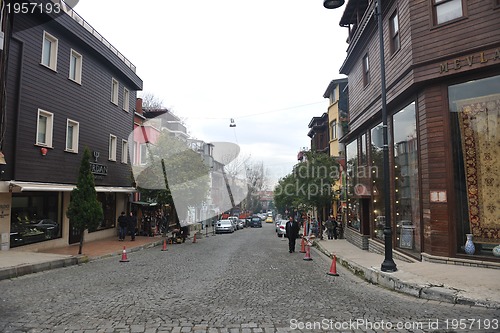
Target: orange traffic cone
{"points": [[124, 255], [194, 238], [333, 267], [164, 248], [308, 253], [302, 246]]}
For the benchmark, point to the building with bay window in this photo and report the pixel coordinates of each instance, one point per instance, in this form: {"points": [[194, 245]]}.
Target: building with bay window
{"points": [[442, 65], [67, 88]]}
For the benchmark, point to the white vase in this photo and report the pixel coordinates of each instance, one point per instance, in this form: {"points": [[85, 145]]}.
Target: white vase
{"points": [[469, 247]]}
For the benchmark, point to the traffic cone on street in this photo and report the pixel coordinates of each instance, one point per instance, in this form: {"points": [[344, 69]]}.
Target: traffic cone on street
{"points": [[333, 267], [303, 246], [308, 253], [194, 238], [124, 255], [164, 248]]}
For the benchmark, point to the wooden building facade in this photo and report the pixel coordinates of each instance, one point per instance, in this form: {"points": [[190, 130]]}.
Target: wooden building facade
{"points": [[67, 88], [442, 64]]}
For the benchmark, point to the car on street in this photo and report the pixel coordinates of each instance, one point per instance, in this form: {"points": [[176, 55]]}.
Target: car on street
{"points": [[256, 222], [241, 223], [269, 219], [224, 226], [234, 221], [282, 228]]}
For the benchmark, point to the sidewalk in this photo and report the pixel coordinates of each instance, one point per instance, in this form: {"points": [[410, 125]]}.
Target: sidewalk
{"points": [[442, 282], [447, 283]]}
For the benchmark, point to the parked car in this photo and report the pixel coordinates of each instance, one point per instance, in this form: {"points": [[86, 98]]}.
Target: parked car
{"points": [[269, 219], [282, 228], [234, 221], [223, 226], [256, 222], [248, 221], [241, 223]]}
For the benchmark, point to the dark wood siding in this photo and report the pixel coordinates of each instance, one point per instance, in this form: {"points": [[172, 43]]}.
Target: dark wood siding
{"points": [[89, 104]]}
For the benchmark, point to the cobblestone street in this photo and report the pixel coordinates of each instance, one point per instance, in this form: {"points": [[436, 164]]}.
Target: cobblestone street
{"points": [[242, 282]]}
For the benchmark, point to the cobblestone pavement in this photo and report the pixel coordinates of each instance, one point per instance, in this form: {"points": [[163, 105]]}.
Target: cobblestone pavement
{"points": [[244, 282]]}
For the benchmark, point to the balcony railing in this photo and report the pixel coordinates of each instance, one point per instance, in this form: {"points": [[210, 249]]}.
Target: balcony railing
{"points": [[74, 15]]}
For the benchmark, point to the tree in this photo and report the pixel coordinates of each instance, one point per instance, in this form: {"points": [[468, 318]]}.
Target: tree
{"points": [[309, 185], [151, 102], [174, 174], [84, 210]]}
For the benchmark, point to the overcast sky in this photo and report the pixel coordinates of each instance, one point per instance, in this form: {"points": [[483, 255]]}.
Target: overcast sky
{"points": [[264, 63]]}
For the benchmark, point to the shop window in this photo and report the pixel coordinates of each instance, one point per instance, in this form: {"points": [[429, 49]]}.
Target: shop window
{"points": [[36, 217], [475, 113], [108, 202], [406, 179], [447, 10], [353, 203], [377, 178]]}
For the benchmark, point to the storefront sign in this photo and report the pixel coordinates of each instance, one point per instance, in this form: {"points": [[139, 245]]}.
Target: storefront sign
{"points": [[470, 60], [98, 169]]}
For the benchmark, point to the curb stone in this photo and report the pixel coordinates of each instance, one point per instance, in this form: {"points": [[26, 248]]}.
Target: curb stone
{"points": [[385, 280]]}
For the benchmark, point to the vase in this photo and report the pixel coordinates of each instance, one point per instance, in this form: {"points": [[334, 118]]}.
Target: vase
{"points": [[496, 251], [469, 247]]}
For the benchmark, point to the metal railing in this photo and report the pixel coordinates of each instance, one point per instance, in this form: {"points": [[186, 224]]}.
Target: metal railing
{"points": [[75, 16]]}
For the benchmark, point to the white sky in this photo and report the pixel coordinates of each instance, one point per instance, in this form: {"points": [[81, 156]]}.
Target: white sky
{"points": [[265, 63]]}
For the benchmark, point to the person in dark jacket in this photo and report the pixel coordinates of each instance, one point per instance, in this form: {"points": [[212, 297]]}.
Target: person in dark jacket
{"points": [[132, 225], [292, 232], [122, 226]]}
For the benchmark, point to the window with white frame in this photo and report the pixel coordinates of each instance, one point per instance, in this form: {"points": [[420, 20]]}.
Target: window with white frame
{"points": [[44, 128], [112, 147], [75, 66], [114, 91], [126, 99], [366, 70], [447, 10], [124, 151], [394, 31], [49, 51], [333, 130], [143, 158], [72, 134]]}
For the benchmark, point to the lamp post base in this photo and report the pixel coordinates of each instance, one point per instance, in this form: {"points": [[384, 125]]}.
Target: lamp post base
{"points": [[388, 266]]}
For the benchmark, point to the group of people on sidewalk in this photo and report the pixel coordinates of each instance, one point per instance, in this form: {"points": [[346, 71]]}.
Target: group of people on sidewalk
{"points": [[292, 227], [126, 224]]}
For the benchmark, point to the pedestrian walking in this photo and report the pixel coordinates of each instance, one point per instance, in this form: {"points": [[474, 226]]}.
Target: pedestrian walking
{"points": [[122, 226], [292, 231], [330, 227], [335, 228], [132, 225]]}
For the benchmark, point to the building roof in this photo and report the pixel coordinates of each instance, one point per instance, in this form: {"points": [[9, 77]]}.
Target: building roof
{"points": [[333, 84]]}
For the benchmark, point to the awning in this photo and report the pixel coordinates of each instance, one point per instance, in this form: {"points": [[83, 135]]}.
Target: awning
{"points": [[143, 203], [20, 186]]}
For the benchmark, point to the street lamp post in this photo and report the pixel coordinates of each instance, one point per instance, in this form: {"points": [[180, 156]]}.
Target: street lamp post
{"points": [[388, 265]]}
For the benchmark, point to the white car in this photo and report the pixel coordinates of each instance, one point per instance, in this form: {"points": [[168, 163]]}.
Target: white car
{"points": [[224, 226], [282, 228], [234, 221]]}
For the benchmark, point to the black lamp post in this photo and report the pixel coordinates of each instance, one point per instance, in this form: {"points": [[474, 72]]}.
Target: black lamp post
{"points": [[388, 265]]}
